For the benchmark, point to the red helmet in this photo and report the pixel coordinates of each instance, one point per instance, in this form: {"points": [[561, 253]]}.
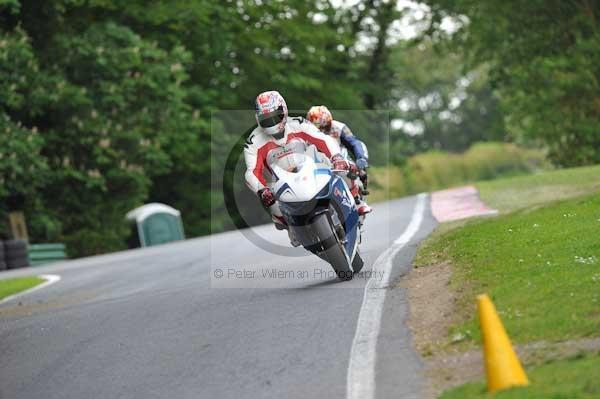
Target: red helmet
{"points": [[320, 116], [271, 112]]}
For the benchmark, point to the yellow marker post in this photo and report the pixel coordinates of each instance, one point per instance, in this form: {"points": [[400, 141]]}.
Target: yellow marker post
{"points": [[502, 366]]}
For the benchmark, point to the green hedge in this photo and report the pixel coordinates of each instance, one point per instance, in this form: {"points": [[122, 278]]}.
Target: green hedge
{"points": [[435, 169]]}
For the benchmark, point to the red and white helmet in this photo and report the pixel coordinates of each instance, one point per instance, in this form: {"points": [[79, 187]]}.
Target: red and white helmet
{"points": [[271, 112], [320, 116]]}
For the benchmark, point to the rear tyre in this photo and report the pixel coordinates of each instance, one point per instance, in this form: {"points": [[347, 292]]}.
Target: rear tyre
{"points": [[333, 251], [17, 264], [15, 254], [14, 246], [2, 257]]}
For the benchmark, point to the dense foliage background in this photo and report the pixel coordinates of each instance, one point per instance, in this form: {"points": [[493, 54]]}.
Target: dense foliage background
{"points": [[106, 104], [544, 64]]}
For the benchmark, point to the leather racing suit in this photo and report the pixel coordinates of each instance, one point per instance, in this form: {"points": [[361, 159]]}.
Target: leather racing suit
{"points": [[261, 149], [342, 133]]}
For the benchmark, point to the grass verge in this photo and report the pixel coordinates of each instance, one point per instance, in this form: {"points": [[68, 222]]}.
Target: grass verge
{"points": [[541, 269], [435, 169], [510, 194], [540, 262], [15, 285], [574, 378]]}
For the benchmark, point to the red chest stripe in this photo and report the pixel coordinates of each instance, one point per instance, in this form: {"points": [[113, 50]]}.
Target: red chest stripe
{"points": [[320, 144], [261, 158]]}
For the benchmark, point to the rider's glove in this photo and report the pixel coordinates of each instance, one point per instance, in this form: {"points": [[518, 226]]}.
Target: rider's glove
{"points": [[362, 163], [352, 171], [339, 163], [266, 197]]}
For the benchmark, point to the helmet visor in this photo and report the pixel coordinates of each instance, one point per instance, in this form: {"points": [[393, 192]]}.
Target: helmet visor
{"points": [[324, 128], [271, 119]]}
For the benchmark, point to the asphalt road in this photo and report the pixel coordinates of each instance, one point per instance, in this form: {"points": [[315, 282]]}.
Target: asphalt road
{"points": [[158, 323]]}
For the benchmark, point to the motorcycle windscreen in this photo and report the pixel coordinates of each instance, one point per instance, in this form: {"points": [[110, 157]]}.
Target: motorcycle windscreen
{"points": [[291, 157]]}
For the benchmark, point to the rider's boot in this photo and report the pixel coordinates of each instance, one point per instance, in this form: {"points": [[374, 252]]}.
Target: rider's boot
{"points": [[362, 206], [280, 224], [279, 221], [358, 192]]}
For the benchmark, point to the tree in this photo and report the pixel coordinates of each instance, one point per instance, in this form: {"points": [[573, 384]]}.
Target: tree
{"points": [[120, 108], [110, 109], [544, 62], [22, 92], [109, 102], [443, 105]]}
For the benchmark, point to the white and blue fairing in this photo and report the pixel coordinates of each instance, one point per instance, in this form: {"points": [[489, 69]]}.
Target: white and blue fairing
{"points": [[304, 178]]}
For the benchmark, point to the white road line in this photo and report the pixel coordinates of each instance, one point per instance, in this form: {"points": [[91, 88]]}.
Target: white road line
{"points": [[360, 383], [50, 279]]}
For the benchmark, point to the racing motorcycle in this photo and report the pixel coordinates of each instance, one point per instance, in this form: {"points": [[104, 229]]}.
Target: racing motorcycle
{"points": [[319, 208]]}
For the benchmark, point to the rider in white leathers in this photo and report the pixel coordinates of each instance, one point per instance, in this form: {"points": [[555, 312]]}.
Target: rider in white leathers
{"points": [[267, 142]]}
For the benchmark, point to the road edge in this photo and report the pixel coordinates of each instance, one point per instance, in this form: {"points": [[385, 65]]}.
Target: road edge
{"points": [[50, 279], [360, 377]]}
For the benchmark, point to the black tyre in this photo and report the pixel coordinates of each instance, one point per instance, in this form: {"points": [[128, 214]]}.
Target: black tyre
{"points": [[333, 251], [14, 245], [17, 264], [2, 258], [15, 254]]}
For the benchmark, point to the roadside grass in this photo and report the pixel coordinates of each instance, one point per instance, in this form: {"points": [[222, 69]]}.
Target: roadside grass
{"points": [[435, 169], [574, 378], [509, 194], [541, 268], [15, 285], [385, 183], [540, 263]]}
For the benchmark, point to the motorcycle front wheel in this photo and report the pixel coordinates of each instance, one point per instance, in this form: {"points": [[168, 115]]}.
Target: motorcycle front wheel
{"points": [[333, 251]]}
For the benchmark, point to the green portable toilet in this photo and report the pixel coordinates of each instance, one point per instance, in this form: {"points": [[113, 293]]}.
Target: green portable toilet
{"points": [[155, 224]]}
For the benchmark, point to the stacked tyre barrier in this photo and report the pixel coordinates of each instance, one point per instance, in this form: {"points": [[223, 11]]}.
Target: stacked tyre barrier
{"points": [[2, 261], [13, 254]]}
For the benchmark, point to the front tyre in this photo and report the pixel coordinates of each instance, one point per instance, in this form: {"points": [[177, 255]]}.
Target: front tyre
{"points": [[333, 250]]}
